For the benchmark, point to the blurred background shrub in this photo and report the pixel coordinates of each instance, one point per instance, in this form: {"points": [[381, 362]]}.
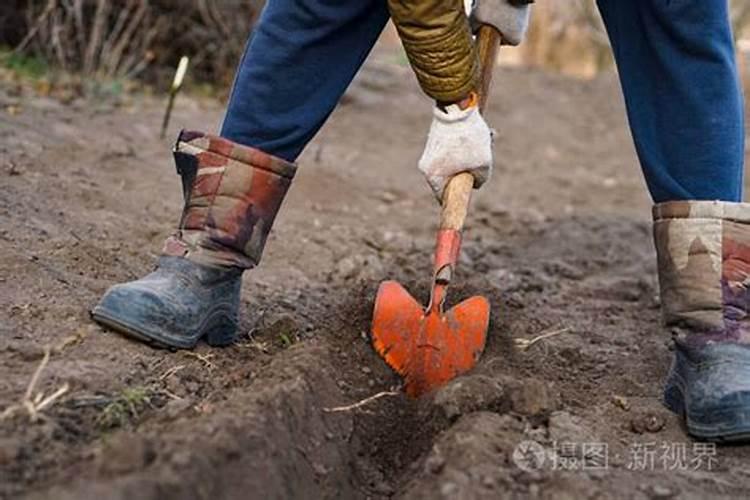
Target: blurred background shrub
{"points": [[144, 39], [131, 38]]}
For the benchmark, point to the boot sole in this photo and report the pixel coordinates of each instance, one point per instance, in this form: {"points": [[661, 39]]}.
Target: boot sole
{"points": [[219, 336]]}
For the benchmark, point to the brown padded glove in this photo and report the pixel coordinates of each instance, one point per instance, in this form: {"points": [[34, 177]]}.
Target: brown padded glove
{"points": [[438, 41]]}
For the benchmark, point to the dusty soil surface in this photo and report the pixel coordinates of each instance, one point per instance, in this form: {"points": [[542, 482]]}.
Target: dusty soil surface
{"points": [[559, 242]]}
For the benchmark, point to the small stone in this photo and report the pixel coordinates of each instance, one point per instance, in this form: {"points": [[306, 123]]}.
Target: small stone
{"points": [[388, 197], [659, 492], [647, 422], [621, 402], [320, 469]]}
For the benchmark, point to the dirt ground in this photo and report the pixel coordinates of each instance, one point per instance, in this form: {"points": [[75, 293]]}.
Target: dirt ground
{"points": [[559, 241]]}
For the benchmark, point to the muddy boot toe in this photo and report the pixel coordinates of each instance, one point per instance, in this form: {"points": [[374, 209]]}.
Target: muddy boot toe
{"points": [[710, 387]]}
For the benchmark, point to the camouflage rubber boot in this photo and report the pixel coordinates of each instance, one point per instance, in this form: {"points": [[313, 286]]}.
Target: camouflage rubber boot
{"points": [[232, 194], [704, 263]]}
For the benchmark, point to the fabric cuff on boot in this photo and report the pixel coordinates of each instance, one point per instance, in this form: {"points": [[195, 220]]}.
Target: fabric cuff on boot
{"points": [[194, 142], [232, 196], [703, 250]]}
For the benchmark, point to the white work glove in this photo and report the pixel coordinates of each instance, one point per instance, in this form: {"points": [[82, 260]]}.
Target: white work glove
{"points": [[459, 141], [509, 17]]}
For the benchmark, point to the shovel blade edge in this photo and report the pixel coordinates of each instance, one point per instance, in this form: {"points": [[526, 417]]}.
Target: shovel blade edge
{"points": [[427, 350]]}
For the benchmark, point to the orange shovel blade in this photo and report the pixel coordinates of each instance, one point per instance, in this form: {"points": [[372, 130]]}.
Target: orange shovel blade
{"points": [[427, 349]]}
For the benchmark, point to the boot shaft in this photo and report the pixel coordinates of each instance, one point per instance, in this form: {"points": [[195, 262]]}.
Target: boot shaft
{"points": [[232, 195], [703, 250]]}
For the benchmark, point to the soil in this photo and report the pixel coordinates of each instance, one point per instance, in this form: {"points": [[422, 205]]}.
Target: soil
{"points": [[559, 241]]}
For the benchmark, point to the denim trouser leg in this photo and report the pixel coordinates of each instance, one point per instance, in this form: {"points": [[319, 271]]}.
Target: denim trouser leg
{"points": [[298, 62], [678, 74]]}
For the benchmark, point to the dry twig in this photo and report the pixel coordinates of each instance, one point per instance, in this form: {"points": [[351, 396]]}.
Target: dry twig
{"points": [[171, 371], [525, 344], [203, 358], [41, 19], [69, 341], [363, 402]]}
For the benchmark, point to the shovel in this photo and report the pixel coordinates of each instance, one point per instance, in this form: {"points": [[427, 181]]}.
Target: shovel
{"points": [[430, 346]]}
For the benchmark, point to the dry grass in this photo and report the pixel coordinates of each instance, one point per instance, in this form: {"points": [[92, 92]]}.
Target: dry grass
{"points": [[360, 404], [526, 344], [34, 403], [131, 38]]}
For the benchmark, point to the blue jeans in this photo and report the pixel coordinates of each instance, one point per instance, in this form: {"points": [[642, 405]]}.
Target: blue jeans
{"points": [[675, 59], [678, 74], [300, 59]]}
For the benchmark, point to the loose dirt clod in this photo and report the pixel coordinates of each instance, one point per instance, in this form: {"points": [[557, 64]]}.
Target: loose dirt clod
{"points": [[469, 394]]}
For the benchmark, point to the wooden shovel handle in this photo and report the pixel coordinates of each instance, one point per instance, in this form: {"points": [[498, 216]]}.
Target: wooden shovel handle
{"points": [[457, 194], [488, 44]]}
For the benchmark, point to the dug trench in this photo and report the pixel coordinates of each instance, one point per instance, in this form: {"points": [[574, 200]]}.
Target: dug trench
{"points": [[301, 406]]}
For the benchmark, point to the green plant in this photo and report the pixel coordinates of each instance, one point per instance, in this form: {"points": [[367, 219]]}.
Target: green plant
{"points": [[124, 407], [29, 66], [286, 339]]}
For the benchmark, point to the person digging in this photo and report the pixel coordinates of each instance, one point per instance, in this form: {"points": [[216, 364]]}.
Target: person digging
{"points": [[679, 79]]}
